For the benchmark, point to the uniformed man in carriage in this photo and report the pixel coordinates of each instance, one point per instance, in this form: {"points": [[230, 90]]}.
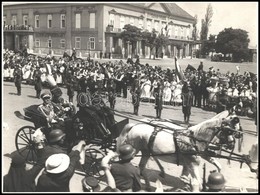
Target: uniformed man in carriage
{"points": [[50, 111]]}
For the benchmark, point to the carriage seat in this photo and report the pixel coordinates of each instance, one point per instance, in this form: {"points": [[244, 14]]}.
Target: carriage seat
{"points": [[36, 116]]}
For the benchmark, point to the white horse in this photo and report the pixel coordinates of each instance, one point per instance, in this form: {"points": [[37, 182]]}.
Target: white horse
{"points": [[183, 146]]}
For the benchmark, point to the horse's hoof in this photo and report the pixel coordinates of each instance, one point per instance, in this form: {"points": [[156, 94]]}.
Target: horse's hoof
{"points": [[162, 174]]}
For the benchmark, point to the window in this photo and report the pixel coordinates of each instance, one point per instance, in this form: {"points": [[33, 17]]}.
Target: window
{"points": [[112, 19], [188, 33], [182, 32], [62, 43], [122, 21], [49, 21], [149, 25], [141, 23], [176, 31], [62, 20], [92, 42], [4, 20], [92, 20], [77, 42], [14, 20], [163, 28], [78, 16], [170, 30], [25, 20], [37, 21], [37, 42], [49, 43], [132, 21], [156, 25]]}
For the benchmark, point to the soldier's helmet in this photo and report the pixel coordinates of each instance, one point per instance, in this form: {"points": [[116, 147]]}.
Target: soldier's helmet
{"points": [[216, 181], [56, 135], [126, 152]]}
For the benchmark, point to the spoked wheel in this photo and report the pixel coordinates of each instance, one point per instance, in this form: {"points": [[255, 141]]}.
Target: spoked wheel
{"points": [[25, 145], [92, 166]]}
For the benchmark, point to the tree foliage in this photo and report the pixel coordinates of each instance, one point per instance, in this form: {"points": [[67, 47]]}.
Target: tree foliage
{"points": [[131, 34], [209, 45], [234, 41], [149, 39], [205, 24], [195, 30], [161, 41]]}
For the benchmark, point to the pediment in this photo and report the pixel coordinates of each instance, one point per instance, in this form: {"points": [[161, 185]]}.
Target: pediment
{"points": [[157, 7]]}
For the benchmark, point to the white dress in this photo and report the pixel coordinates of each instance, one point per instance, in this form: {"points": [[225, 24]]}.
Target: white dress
{"points": [[167, 92], [146, 87]]}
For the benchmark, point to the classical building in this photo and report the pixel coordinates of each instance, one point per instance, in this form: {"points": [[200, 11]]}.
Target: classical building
{"points": [[93, 28]]}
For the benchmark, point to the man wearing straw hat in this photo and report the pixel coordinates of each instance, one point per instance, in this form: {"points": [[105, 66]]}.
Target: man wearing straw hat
{"points": [[59, 169]]}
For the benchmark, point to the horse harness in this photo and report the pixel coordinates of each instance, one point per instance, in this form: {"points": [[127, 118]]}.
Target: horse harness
{"points": [[176, 143]]}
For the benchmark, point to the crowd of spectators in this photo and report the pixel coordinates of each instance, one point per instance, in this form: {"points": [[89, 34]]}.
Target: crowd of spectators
{"points": [[79, 75], [116, 78]]}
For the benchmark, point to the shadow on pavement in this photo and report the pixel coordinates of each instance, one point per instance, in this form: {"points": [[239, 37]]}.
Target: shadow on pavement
{"points": [[11, 93], [31, 96]]}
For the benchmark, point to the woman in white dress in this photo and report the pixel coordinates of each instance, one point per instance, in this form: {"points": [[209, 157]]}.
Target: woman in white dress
{"points": [[146, 87], [167, 92], [177, 95]]}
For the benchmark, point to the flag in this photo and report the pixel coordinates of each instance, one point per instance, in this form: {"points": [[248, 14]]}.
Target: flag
{"points": [[190, 67], [178, 71]]}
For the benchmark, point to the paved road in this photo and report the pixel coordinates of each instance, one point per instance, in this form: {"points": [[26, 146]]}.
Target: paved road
{"points": [[234, 175]]}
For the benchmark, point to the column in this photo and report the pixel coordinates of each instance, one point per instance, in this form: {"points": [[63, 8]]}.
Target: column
{"points": [[68, 37], [30, 43]]}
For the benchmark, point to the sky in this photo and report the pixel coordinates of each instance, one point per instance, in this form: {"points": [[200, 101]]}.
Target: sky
{"points": [[243, 15]]}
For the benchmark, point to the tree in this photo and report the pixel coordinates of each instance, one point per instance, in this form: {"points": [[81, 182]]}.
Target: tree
{"points": [[205, 24], [179, 45], [195, 30], [209, 45], [235, 42], [131, 34], [160, 41], [149, 39]]}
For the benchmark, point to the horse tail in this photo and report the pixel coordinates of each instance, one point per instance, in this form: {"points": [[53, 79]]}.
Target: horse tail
{"points": [[122, 137]]}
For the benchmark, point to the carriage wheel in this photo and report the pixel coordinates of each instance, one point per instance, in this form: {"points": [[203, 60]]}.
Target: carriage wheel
{"points": [[92, 165], [25, 145]]}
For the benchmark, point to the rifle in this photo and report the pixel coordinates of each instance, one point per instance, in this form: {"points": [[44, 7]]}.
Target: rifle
{"points": [[204, 178]]}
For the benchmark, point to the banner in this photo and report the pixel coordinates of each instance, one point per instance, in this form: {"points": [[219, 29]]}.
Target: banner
{"points": [[178, 71]]}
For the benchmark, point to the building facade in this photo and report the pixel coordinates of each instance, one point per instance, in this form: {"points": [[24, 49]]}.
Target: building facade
{"points": [[93, 28]]}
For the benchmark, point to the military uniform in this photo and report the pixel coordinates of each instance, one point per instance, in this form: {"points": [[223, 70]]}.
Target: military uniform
{"points": [[158, 94], [187, 98], [37, 82], [136, 93], [18, 76]]}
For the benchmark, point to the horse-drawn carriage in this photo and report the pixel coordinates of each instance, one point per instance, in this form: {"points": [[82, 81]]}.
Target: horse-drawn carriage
{"points": [[75, 130]]}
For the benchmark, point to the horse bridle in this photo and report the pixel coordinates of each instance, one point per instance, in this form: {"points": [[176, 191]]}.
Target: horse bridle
{"points": [[227, 135]]}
